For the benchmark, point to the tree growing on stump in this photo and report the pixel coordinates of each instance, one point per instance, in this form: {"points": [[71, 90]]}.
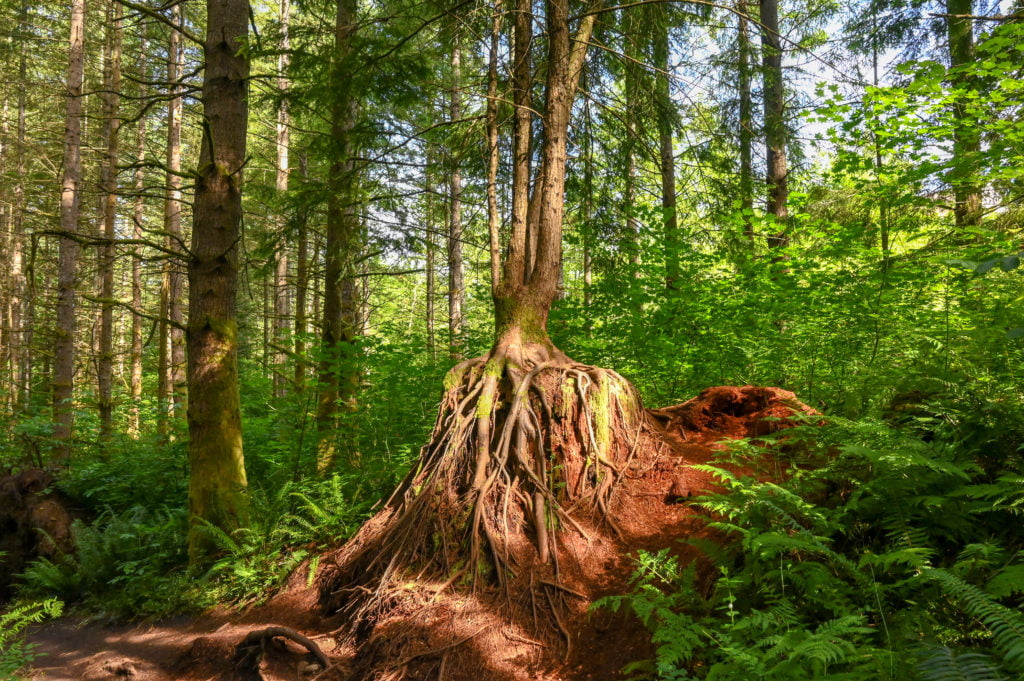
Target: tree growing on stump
{"points": [[529, 445]]}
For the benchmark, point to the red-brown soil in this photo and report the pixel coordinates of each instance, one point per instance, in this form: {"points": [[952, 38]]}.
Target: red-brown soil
{"points": [[434, 631]]}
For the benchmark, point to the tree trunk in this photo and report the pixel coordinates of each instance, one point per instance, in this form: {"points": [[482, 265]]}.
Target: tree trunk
{"points": [[70, 201], [339, 373], [301, 286], [19, 351], [493, 151], [282, 300], [774, 123], [430, 247], [172, 219], [217, 478], [108, 187], [138, 218], [966, 140], [746, 123], [666, 115], [456, 283]]}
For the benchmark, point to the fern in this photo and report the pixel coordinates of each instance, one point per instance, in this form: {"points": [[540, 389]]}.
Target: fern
{"points": [[940, 663], [14, 652], [1006, 626]]}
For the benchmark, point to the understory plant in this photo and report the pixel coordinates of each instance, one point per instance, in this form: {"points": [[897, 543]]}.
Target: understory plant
{"points": [[15, 653], [867, 552]]}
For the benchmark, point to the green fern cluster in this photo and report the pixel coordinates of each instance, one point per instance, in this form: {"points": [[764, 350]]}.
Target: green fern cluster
{"points": [[15, 653], [875, 554]]}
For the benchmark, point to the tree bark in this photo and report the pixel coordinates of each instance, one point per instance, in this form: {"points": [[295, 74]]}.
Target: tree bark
{"points": [[217, 478], [138, 219], [339, 373], [282, 300], [774, 123], [529, 285], [70, 202], [172, 219], [456, 280], [108, 188], [746, 122], [966, 140], [666, 115], [493, 152]]}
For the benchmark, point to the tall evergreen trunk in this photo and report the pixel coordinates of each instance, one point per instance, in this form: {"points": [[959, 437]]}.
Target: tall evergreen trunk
{"points": [[108, 188], [172, 219], [456, 283], [282, 299], [774, 123], [301, 287], [339, 373], [493, 151], [522, 126], [634, 57], [966, 139], [430, 247], [138, 218], [217, 477], [67, 266], [746, 122], [529, 282], [19, 352], [666, 115]]}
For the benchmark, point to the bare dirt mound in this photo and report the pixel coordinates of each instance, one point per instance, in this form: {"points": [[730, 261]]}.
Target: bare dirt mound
{"points": [[533, 622]]}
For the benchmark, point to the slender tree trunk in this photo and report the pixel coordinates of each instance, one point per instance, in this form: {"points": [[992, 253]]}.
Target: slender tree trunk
{"points": [[172, 219], [456, 283], [522, 131], [428, 238], [774, 123], [282, 300], [301, 286], [966, 140], [339, 374], [634, 58], [16, 299], [666, 114], [746, 122], [108, 182], [493, 152], [217, 479], [138, 218], [70, 201], [529, 286]]}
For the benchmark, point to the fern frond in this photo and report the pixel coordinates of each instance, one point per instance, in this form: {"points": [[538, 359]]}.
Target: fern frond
{"points": [[1006, 625], [940, 663]]}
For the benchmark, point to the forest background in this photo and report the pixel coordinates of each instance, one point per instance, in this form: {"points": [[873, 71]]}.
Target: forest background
{"points": [[820, 196]]}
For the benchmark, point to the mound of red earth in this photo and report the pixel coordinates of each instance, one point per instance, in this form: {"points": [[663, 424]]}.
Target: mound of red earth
{"points": [[34, 521], [457, 631]]}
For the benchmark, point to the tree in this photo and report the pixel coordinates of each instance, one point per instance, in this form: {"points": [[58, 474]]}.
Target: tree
{"points": [[108, 213], [70, 202], [774, 123], [339, 373], [966, 137], [217, 479], [508, 433]]}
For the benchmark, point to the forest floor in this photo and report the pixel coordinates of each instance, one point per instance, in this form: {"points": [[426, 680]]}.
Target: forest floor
{"points": [[456, 639]]}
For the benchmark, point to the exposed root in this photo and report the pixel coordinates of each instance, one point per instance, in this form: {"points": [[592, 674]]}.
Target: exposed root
{"points": [[527, 444], [249, 653]]}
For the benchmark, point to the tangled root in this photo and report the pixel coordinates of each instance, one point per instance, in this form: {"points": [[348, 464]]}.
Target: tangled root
{"points": [[526, 445]]}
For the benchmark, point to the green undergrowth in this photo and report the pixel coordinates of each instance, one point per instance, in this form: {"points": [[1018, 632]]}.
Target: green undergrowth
{"points": [[858, 550], [15, 653]]}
